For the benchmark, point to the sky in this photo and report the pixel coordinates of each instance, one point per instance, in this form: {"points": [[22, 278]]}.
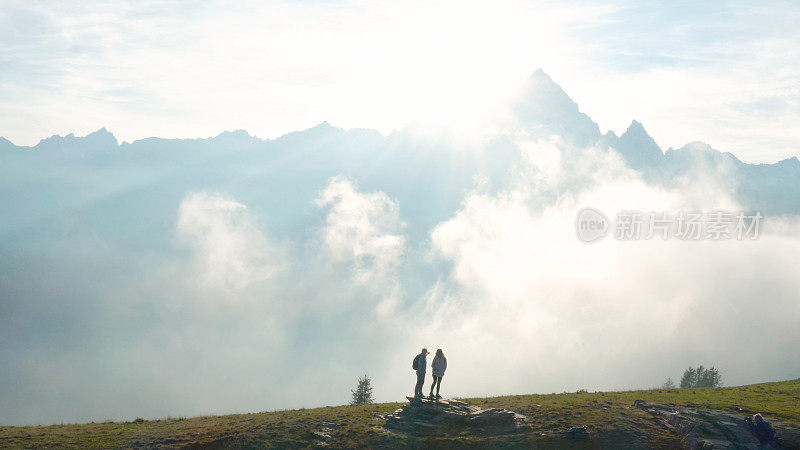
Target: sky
{"points": [[725, 73]]}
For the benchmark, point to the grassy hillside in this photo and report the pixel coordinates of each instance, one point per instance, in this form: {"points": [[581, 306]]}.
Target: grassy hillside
{"points": [[606, 414]]}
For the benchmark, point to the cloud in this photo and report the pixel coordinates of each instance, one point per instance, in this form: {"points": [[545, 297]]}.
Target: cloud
{"points": [[548, 313], [362, 229], [228, 249]]}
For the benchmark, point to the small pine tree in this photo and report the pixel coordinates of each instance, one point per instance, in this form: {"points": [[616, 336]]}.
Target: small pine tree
{"points": [[689, 378], [669, 384], [363, 392]]}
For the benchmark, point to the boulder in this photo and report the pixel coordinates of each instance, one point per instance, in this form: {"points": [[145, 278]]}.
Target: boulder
{"points": [[714, 429]]}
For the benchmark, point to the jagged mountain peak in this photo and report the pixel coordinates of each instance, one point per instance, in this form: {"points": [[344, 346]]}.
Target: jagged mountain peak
{"points": [[698, 146], [103, 136], [99, 138], [638, 148], [242, 133], [637, 135], [539, 87], [635, 127], [790, 161], [101, 132], [321, 128], [542, 105], [699, 152]]}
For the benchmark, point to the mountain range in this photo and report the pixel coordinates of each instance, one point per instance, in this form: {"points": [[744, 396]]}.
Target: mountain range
{"points": [[68, 171]]}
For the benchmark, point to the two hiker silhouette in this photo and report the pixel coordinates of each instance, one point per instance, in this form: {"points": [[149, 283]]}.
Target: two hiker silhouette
{"points": [[438, 366]]}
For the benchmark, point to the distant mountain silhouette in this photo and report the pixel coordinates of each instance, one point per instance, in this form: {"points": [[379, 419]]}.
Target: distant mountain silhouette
{"points": [[283, 175]]}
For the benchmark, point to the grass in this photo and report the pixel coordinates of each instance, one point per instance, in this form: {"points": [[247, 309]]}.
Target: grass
{"points": [[606, 414]]}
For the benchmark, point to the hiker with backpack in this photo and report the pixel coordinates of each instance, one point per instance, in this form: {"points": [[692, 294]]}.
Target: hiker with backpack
{"points": [[419, 365], [438, 366]]}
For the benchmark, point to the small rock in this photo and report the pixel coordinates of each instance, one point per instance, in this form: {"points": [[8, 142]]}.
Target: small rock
{"points": [[328, 425]]}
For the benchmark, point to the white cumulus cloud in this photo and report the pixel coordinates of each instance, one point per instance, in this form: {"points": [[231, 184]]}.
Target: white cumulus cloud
{"points": [[362, 229], [230, 252]]}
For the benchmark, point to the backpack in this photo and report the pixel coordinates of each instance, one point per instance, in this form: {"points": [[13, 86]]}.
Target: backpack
{"points": [[415, 364], [770, 433]]}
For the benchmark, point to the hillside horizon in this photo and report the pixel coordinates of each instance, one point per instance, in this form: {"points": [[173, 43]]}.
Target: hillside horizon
{"points": [[400, 400], [607, 418]]}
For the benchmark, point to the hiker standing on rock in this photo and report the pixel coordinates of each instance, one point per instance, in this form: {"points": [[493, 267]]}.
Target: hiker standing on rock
{"points": [[438, 366], [419, 364]]}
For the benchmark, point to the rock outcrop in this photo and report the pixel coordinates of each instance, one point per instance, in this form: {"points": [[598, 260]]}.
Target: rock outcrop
{"points": [[713, 429], [422, 415]]}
